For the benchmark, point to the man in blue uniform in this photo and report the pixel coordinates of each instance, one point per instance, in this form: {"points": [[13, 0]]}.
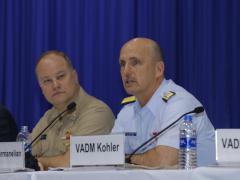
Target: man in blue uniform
{"points": [[157, 102]]}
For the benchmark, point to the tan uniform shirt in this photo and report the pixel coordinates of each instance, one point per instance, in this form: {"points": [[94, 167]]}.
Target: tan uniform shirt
{"points": [[91, 117]]}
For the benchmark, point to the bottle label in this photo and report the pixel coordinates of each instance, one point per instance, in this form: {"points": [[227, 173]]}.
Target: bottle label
{"points": [[25, 146], [188, 142]]}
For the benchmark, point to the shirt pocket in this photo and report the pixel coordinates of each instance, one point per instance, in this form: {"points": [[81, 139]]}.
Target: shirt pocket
{"points": [[44, 146], [134, 143]]}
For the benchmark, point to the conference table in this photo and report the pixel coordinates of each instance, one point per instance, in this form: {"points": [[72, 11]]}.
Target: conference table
{"points": [[116, 173]]}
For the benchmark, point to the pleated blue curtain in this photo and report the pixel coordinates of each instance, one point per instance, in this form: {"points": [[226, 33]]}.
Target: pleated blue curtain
{"points": [[200, 40]]}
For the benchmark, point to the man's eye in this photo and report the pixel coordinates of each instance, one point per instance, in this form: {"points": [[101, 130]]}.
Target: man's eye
{"points": [[61, 76], [47, 81], [135, 62], [122, 64]]}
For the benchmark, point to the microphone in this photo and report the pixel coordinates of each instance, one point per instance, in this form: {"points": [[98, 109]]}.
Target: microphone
{"points": [[197, 110], [70, 107], [30, 160]]}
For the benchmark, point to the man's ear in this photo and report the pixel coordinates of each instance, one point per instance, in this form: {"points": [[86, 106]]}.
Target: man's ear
{"points": [[160, 69], [75, 74]]}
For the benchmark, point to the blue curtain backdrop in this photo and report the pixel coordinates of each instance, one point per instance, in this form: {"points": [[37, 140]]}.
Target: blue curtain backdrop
{"points": [[200, 39]]}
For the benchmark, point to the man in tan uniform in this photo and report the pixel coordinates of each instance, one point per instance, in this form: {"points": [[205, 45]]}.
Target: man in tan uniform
{"points": [[59, 83]]}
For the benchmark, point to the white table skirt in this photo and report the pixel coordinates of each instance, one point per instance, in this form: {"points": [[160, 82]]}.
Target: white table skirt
{"points": [[202, 173]]}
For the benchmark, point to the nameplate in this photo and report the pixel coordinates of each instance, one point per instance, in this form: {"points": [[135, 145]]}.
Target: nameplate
{"points": [[227, 145], [97, 150], [12, 155]]}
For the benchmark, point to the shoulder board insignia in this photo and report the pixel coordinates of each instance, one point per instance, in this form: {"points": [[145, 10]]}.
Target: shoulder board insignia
{"points": [[128, 100], [168, 95]]}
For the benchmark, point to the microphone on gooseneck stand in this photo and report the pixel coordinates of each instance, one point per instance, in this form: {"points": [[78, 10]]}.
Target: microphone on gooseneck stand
{"points": [[70, 107], [30, 160], [197, 110]]}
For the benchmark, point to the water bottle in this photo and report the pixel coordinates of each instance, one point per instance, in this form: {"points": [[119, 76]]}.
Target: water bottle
{"points": [[24, 136], [187, 144]]}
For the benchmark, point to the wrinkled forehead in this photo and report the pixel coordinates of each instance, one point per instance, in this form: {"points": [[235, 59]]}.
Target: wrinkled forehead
{"points": [[135, 49]]}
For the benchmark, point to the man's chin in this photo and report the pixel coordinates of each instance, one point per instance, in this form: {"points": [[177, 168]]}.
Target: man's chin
{"points": [[130, 91], [59, 102]]}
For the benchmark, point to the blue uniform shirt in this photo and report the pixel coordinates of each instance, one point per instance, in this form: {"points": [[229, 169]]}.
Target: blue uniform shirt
{"points": [[141, 123]]}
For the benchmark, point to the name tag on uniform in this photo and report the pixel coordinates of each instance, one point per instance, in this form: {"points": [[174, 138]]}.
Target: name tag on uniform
{"points": [[43, 137], [130, 134], [227, 145], [12, 155], [97, 150]]}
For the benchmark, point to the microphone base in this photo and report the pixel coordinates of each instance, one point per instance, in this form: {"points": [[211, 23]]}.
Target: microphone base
{"points": [[128, 160], [31, 162]]}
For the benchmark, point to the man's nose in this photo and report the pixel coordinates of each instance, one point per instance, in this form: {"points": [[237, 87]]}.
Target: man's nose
{"points": [[56, 84], [126, 70]]}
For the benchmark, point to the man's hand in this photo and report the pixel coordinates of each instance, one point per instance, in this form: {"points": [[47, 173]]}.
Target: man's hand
{"points": [[62, 160], [41, 166], [156, 157]]}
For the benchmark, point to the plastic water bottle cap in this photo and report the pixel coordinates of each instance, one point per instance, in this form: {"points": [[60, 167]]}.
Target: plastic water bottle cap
{"points": [[24, 128], [187, 118]]}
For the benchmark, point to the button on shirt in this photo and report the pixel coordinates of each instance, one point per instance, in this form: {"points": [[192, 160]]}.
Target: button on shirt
{"points": [[141, 123]]}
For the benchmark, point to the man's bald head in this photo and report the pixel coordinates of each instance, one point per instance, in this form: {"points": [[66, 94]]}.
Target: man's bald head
{"points": [[55, 53], [148, 45]]}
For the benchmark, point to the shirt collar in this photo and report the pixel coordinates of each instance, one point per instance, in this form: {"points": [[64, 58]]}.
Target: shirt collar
{"points": [[155, 101]]}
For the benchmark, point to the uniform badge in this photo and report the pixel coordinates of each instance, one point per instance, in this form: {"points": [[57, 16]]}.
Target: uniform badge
{"points": [[154, 133], [66, 138], [168, 95], [128, 100], [68, 134]]}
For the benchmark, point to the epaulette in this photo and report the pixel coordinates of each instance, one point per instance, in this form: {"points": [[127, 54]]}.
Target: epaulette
{"points": [[128, 100], [168, 95]]}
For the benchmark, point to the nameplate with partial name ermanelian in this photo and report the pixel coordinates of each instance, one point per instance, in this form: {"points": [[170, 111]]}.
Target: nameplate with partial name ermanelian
{"points": [[12, 155], [227, 145], [97, 150]]}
